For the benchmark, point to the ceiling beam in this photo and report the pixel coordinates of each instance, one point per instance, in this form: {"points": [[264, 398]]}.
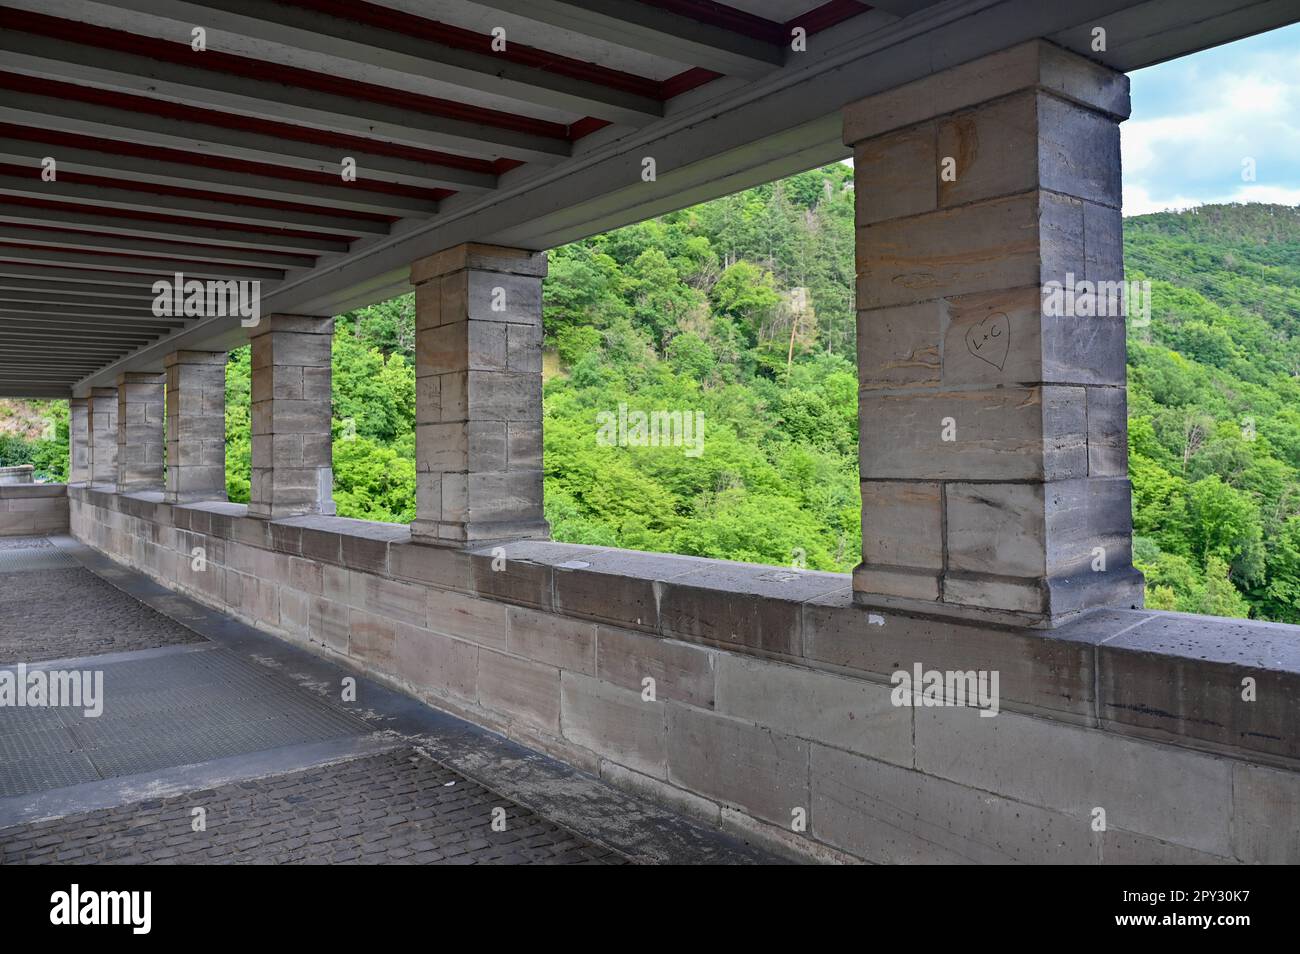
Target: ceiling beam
{"points": [[127, 284], [147, 129], [55, 59], [354, 197], [138, 263], [114, 296], [40, 215], [10, 298], [640, 26], [64, 238], [332, 39], [139, 200]]}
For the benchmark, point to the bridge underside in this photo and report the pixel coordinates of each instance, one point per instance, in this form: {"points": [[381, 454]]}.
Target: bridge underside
{"points": [[514, 123], [215, 140]]}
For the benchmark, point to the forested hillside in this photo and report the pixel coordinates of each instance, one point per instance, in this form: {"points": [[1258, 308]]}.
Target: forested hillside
{"points": [[741, 310]]}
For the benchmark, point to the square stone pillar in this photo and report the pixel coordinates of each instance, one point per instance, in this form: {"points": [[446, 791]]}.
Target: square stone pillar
{"points": [[293, 452], [79, 441], [140, 431], [103, 435], [991, 340], [196, 426], [478, 426]]}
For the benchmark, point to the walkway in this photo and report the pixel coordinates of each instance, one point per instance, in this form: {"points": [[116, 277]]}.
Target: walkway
{"points": [[220, 744]]}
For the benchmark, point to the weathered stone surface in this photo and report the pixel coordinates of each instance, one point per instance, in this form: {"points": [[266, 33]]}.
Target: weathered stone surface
{"points": [[1266, 815], [891, 815], [845, 713], [520, 689], [1183, 676], [433, 663], [902, 524], [546, 637], [1048, 671], [140, 431], [1036, 64], [196, 426], [78, 440], [899, 347], [291, 456], [615, 723], [680, 671], [103, 435], [759, 770], [478, 368], [1171, 794], [479, 621], [757, 608], [896, 175], [1004, 434], [1012, 242]]}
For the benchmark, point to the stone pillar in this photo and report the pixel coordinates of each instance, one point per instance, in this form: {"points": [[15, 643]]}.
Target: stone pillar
{"points": [[196, 426], [103, 435], [140, 429], [291, 407], [79, 441], [478, 426], [992, 410]]}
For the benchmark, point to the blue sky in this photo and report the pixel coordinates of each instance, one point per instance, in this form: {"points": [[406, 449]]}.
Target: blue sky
{"points": [[1195, 120]]}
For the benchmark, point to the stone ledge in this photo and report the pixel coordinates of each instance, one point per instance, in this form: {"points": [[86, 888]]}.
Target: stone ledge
{"points": [[1167, 677], [24, 491]]}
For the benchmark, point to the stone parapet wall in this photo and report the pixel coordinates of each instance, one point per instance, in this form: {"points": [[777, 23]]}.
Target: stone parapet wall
{"points": [[33, 509], [772, 700]]}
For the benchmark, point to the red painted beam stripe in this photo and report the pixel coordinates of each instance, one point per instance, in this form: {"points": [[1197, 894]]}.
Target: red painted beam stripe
{"points": [[269, 231], [224, 198], [109, 256], [399, 21], [216, 61], [212, 117], [118, 147], [181, 246]]}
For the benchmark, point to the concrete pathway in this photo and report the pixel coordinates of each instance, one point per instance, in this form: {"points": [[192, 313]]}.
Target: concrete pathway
{"points": [[216, 743]]}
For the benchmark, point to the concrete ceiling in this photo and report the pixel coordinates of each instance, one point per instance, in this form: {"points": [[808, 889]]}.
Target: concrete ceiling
{"points": [[225, 163]]}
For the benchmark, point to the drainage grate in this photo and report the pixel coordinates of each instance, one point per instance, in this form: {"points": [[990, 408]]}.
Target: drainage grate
{"points": [[22, 559], [177, 708]]}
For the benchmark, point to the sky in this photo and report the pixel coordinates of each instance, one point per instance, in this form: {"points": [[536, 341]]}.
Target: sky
{"points": [[1197, 119]]}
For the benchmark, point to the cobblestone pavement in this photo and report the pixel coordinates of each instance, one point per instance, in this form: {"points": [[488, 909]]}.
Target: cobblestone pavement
{"points": [[65, 613], [254, 732], [395, 807]]}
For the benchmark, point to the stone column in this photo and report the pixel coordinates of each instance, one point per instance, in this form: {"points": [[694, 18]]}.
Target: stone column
{"points": [[79, 440], [103, 435], [196, 426], [140, 429], [291, 407], [991, 363], [478, 427]]}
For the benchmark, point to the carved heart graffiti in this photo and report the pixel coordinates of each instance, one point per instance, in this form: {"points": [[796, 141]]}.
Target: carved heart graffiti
{"points": [[990, 339]]}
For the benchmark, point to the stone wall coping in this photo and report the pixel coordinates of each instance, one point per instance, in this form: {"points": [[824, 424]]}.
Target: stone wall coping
{"points": [[17, 491], [1172, 677]]}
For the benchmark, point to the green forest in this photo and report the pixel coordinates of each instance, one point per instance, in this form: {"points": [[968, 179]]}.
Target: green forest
{"points": [[742, 309]]}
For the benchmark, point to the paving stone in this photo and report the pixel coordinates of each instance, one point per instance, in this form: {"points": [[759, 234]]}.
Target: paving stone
{"points": [[429, 814]]}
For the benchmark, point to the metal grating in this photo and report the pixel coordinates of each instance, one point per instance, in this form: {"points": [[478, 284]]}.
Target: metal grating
{"points": [[24, 559], [178, 708]]}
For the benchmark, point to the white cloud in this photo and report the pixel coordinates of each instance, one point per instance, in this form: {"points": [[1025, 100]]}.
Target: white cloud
{"points": [[1249, 109], [1138, 201]]}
